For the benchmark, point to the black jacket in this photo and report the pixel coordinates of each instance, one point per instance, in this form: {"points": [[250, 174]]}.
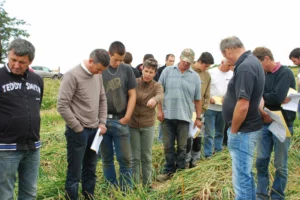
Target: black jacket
{"points": [[20, 101], [158, 73]]}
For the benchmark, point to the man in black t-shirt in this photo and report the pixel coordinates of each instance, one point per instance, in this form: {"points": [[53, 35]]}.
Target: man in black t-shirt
{"points": [[119, 83], [241, 111]]}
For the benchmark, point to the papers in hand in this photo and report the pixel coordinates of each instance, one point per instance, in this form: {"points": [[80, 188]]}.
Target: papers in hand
{"points": [[218, 100], [97, 141], [193, 132], [278, 127], [293, 104]]}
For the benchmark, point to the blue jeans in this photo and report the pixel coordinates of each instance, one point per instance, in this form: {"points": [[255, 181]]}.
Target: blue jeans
{"points": [[118, 135], [82, 162], [213, 134], [266, 142], [241, 147], [160, 135], [26, 163], [174, 129]]}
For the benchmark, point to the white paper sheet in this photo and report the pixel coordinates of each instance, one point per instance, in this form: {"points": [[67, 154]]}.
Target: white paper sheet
{"points": [[97, 141], [293, 104], [277, 127], [193, 132]]}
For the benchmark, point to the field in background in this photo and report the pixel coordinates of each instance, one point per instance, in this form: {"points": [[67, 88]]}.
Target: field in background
{"points": [[211, 179]]}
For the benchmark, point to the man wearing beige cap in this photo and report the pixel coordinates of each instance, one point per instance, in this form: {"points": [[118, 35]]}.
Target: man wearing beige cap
{"points": [[182, 96]]}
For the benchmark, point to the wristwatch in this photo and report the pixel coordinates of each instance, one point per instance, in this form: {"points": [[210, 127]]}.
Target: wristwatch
{"points": [[199, 118]]}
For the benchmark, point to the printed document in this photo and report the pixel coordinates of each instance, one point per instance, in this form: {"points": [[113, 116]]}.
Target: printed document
{"points": [[278, 127], [293, 104]]}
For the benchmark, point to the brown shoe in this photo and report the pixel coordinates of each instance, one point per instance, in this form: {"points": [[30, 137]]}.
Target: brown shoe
{"points": [[163, 177]]}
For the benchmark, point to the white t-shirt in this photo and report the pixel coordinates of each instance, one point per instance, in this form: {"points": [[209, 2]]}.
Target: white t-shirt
{"points": [[218, 85]]}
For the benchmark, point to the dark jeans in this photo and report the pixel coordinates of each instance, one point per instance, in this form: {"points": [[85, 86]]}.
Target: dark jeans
{"points": [[225, 134], [174, 129], [82, 163]]}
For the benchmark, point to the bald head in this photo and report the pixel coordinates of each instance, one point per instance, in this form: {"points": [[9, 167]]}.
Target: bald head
{"points": [[225, 65]]}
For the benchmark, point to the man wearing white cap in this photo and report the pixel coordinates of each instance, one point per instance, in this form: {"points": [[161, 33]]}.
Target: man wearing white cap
{"points": [[182, 96]]}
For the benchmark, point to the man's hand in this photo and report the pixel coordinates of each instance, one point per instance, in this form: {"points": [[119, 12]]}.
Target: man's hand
{"points": [[103, 129], [160, 116], [212, 101], [151, 103], [286, 100], [197, 123], [267, 119], [124, 120]]}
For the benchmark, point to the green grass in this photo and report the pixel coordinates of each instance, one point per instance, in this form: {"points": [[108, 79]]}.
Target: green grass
{"points": [[211, 179], [51, 88]]}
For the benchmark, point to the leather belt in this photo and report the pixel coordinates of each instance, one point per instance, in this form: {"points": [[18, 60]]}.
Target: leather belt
{"points": [[114, 116]]}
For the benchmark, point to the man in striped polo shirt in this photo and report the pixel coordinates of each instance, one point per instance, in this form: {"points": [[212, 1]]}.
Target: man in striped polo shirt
{"points": [[182, 96]]}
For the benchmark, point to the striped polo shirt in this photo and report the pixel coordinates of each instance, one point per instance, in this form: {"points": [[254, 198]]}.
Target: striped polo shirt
{"points": [[181, 89]]}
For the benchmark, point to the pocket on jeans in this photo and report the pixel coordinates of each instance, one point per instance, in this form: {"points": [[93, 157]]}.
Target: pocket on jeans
{"points": [[231, 134], [123, 130]]}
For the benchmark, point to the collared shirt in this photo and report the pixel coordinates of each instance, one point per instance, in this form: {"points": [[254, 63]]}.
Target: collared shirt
{"points": [[181, 89], [247, 82], [85, 68], [276, 67]]}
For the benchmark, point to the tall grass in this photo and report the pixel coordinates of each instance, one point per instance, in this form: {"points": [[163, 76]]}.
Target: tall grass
{"points": [[211, 179]]}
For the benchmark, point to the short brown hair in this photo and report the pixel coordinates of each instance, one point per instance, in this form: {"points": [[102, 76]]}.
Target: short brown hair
{"points": [[128, 58], [151, 62], [261, 52]]}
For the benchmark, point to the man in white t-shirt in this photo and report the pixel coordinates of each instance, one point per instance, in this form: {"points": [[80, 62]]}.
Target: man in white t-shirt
{"points": [[214, 122]]}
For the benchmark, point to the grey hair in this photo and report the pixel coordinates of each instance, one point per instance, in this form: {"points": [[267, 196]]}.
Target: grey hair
{"points": [[231, 43], [22, 47], [100, 56]]}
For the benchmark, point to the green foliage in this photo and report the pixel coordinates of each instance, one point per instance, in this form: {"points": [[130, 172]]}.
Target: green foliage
{"points": [[9, 28]]}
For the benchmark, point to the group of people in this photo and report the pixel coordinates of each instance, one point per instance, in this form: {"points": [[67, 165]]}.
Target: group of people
{"points": [[105, 93]]}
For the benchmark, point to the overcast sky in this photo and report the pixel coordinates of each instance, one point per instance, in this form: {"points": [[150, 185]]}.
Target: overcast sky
{"points": [[64, 32]]}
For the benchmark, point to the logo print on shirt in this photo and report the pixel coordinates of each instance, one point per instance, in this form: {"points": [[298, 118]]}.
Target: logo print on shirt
{"points": [[113, 84]]}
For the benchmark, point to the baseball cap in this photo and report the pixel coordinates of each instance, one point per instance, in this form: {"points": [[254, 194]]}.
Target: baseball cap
{"points": [[188, 55]]}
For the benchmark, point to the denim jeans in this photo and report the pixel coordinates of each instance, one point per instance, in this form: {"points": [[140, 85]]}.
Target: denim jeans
{"points": [[266, 143], [241, 147], [141, 140], [82, 162], [118, 135], [213, 134], [174, 129], [26, 163], [160, 135]]}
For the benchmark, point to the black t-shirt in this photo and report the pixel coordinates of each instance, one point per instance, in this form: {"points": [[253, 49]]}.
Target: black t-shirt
{"points": [[248, 83], [117, 82]]}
